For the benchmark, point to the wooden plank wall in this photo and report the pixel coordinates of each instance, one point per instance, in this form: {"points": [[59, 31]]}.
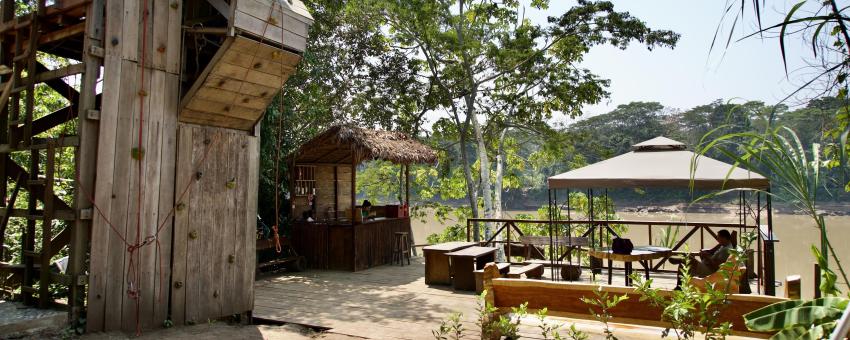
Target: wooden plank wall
{"points": [[215, 227], [289, 27], [117, 193]]}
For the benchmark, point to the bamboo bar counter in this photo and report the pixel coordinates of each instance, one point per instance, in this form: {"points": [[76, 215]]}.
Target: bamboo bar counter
{"points": [[327, 227]]}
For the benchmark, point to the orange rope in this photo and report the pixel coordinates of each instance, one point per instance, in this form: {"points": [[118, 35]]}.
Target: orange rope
{"points": [[276, 238]]}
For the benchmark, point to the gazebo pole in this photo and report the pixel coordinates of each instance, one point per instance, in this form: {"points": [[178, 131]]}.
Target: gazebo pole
{"points": [[551, 218], [770, 265]]}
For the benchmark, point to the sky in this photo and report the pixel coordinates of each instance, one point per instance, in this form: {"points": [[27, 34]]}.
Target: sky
{"points": [[691, 74]]}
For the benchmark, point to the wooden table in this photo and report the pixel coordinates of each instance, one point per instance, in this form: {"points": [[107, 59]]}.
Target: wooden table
{"points": [[465, 261], [437, 265], [641, 255]]}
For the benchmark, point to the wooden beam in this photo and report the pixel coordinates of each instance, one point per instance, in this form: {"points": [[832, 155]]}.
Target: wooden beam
{"points": [[60, 34], [58, 73], [60, 86], [88, 130], [222, 7], [14, 170]]}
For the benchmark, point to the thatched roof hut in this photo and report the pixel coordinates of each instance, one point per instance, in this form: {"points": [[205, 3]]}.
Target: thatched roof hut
{"points": [[347, 144]]}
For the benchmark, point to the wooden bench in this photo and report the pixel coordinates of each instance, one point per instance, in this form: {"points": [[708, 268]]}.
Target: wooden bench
{"points": [[479, 275], [532, 271], [563, 299], [571, 244]]}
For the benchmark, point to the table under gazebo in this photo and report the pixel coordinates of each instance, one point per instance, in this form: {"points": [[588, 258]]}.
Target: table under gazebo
{"points": [[329, 229], [666, 163]]}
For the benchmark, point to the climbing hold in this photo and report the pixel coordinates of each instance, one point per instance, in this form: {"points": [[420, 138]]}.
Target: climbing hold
{"points": [[114, 41], [181, 206], [231, 258], [231, 183], [175, 4], [137, 153], [198, 175], [143, 93], [272, 21], [178, 284], [193, 234], [161, 49]]}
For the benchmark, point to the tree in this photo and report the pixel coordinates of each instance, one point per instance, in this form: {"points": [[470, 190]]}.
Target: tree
{"points": [[472, 53]]}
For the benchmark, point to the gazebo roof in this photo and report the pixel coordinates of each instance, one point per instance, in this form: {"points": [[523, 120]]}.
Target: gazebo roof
{"points": [[659, 162], [347, 144]]}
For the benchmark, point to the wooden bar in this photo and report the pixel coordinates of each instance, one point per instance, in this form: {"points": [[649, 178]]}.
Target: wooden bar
{"points": [[351, 247]]}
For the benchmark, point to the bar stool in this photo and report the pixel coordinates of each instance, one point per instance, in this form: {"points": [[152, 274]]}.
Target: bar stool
{"points": [[401, 248]]}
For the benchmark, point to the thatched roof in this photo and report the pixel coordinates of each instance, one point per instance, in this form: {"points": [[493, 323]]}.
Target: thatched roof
{"points": [[347, 144]]}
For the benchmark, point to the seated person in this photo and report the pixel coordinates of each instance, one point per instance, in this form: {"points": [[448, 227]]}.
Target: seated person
{"points": [[366, 210], [709, 260]]}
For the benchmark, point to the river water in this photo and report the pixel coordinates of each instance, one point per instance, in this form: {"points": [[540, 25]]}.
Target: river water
{"points": [[796, 234]]}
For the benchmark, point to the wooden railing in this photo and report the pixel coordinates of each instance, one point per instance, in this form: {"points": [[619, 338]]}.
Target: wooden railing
{"points": [[602, 230]]}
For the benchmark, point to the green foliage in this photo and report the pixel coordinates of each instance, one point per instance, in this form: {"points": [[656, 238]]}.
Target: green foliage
{"points": [[795, 172], [450, 328], [668, 237], [796, 319], [601, 305], [690, 309]]}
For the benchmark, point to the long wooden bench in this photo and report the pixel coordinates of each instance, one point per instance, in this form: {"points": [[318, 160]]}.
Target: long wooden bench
{"points": [[532, 271], [564, 299]]}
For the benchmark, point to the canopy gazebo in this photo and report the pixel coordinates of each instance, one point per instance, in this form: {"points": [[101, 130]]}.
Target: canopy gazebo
{"points": [[328, 229], [666, 163]]}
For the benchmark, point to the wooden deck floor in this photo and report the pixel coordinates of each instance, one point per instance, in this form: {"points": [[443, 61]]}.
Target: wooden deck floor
{"points": [[393, 302]]}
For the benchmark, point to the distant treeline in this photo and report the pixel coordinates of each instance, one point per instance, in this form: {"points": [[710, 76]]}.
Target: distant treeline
{"points": [[603, 136]]}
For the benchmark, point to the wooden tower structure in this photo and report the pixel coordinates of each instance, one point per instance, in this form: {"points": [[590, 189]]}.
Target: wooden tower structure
{"points": [[164, 98]]}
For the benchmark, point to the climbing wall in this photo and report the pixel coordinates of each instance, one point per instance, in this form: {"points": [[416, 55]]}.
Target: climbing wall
{"points": [[173, 232], [135, 173], [215, 223]]}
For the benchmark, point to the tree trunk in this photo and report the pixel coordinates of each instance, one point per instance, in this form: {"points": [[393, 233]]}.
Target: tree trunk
{"points": [[484, 172], [500, 171], [472, 191]]}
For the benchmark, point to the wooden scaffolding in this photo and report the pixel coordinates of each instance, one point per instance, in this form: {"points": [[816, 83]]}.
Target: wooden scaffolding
{"points": [[153, 87], [52, 223]]}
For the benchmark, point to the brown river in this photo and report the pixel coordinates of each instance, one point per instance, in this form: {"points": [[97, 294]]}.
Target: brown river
{"points": [[796, 234]]}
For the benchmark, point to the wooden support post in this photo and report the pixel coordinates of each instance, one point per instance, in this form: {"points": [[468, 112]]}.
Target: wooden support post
{"points": [[87, 130], [44, 298], [336, 191], [28, 244], [353, 187]]}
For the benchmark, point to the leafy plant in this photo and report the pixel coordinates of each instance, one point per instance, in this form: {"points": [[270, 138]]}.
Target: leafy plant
{"points": [[450, 328], [486, 317], [508, 325], [669, 236], [794, 171], [797, 319], [604, 302], [551, 331]]}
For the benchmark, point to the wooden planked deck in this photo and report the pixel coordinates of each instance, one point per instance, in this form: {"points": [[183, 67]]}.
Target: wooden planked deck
{"points": [[393, 302]]}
